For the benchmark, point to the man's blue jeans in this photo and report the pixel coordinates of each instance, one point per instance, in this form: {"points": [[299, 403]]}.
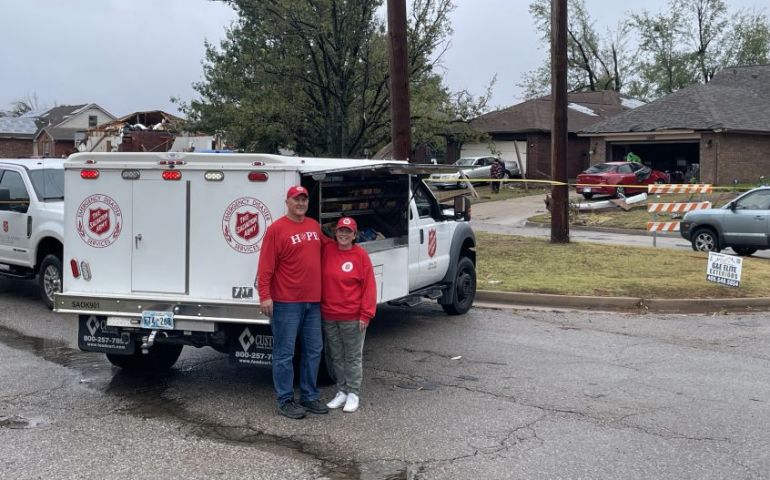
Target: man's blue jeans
{"points": [[289, 321]]}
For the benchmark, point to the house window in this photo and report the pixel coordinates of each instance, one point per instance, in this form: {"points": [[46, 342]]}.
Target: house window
{"points": [[91, 121]]}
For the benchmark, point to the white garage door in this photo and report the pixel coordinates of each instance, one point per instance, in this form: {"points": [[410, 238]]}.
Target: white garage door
{"points": [[506, 149]]}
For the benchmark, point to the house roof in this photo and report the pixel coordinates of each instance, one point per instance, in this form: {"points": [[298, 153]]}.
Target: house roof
{"points": [[57, 115], [584, 109], [737, 98], [151, 120], [17, 127], [61, 134]]}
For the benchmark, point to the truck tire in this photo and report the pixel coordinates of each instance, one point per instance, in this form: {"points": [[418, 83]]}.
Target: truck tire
{"points": [[49, 278], [159, 359], [464, 286]]}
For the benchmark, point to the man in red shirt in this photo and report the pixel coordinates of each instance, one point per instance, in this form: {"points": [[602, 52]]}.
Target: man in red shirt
{"points": [[289, 286]]}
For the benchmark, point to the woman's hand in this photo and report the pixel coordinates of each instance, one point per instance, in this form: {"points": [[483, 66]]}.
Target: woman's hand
{"points": [[361, 325]]}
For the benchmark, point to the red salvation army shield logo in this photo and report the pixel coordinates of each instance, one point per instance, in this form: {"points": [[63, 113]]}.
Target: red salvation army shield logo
{"points": [[432, 242], [244, 223], [247, 225], [99, 220]]}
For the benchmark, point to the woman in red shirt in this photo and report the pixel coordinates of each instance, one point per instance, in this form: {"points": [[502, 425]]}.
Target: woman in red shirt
{"points": [[348, 303]]}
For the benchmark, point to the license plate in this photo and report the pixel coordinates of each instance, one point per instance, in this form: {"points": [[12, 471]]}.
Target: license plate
{"points": [[158, 320], [587, 189]]}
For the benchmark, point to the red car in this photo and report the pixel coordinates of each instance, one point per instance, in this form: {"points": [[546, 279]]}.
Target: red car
{"points": [[614, 178]]}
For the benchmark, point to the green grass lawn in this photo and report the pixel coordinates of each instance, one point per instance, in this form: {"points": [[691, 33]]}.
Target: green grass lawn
{"points": [[520, 264]]}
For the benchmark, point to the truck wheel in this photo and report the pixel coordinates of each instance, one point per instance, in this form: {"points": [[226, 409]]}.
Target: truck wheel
{"points": [[160, 358], [464, 288], [705, 240], [49, 278]]}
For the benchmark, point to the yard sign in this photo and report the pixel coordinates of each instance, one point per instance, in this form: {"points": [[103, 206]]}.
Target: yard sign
{"points": [[724, 269]]}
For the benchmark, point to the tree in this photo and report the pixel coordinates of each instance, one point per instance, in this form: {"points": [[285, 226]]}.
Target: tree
{"points": [[749, 42], [664, 68], [313, 75], [595, 62], [692, 41], [21, 106]]}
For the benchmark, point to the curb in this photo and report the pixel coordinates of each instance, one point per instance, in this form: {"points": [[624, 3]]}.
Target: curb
{"points": [[624, 231], [626, 304]]}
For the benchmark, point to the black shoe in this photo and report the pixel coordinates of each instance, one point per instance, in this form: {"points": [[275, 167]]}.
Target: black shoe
{"points": [[315, 406], [292, 410]]}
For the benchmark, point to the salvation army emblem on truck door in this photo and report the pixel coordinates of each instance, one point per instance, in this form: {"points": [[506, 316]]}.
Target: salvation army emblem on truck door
{"points": [[99, 220], [432, 244], [244, 224]]}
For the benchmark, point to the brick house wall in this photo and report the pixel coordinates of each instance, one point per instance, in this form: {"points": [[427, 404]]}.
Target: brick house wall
{"points": [[48, 147], [728, 156], [539, 155], [15, 148]]}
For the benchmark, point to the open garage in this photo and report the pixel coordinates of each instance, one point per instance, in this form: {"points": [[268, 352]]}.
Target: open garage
{"points": [[679, 158]]}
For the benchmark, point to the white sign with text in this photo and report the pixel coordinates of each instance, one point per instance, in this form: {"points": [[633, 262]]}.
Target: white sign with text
{"points": [[724, 269]]}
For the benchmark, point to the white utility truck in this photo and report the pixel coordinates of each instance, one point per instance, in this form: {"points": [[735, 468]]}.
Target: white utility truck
{"points": [[161, 249], [32, 221]]}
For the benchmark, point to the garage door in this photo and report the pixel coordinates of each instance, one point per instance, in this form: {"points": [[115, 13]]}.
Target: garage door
{"points": [[506, 148]]}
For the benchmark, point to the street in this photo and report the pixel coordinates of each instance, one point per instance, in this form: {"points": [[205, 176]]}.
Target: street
{"points": [[494, 394]]}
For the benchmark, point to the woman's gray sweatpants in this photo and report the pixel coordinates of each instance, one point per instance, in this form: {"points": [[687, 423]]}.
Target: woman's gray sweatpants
{"points": [[346, 344]]}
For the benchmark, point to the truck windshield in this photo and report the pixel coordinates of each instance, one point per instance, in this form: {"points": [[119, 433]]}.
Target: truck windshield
{"points": [[48, 183]]}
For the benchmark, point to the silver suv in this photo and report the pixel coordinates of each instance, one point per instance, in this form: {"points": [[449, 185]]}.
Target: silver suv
{"points": [[743, 225]]}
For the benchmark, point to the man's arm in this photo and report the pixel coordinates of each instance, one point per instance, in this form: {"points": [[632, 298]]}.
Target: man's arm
{"points": [[265, 272]]}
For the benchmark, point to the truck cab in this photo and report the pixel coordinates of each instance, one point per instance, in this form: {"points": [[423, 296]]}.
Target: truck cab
{"points": [[32, 222]]}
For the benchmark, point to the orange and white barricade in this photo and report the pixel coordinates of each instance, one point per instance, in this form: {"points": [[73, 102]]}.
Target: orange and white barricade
{"points": [[679, 188], [673, 207], [662, 226], [676, 207]]}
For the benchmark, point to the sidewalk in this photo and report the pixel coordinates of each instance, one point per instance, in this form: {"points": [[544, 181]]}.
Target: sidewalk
{"points": [[509, 217]]}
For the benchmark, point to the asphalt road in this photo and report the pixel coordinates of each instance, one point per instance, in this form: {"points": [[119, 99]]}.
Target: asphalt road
{"points": [[495, 394]]}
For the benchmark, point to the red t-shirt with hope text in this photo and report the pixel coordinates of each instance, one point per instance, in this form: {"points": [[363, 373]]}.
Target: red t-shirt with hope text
{"points": [[290, 262], [349, 287]]}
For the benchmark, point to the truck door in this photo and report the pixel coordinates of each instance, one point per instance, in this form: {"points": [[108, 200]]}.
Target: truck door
{"points": [[14, 204], [428, 239], [160, 236]]}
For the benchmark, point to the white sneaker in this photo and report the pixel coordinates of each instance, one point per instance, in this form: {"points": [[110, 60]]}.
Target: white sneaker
{"points": [[351, 405], [338, 400]]}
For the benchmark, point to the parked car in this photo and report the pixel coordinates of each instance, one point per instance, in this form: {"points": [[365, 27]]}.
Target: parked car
{"points": [[743, 225], [473, 167], [615, 178]]}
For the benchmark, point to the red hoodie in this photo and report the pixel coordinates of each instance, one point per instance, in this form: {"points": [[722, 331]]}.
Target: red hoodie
{"points": [[349, 288], [290, 262]]}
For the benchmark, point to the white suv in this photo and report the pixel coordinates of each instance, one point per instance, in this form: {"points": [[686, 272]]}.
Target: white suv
{"points": [[31, 221]]}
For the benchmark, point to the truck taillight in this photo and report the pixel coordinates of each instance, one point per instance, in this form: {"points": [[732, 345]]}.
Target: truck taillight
{"points": [[75, 269], [89, 174], [214, 176], [257, 176], [171, 175]]}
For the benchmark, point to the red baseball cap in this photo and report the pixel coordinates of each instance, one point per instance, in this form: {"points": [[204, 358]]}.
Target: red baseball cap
{"points": [[347, 222], [296, 191]]}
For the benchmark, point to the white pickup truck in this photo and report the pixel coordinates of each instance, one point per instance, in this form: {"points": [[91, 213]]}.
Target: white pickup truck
{"points": [[32, 221], [162, 249]]}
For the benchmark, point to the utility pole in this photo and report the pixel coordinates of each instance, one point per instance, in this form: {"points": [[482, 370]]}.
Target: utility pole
{"points": [[400, 123], [559, 193]]}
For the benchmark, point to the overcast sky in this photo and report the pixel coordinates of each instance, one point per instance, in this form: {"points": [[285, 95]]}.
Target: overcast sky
{"points": [[132, 55]]}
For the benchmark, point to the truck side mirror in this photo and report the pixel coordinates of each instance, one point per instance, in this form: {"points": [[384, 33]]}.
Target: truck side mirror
{"points": [[462, 207]]}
